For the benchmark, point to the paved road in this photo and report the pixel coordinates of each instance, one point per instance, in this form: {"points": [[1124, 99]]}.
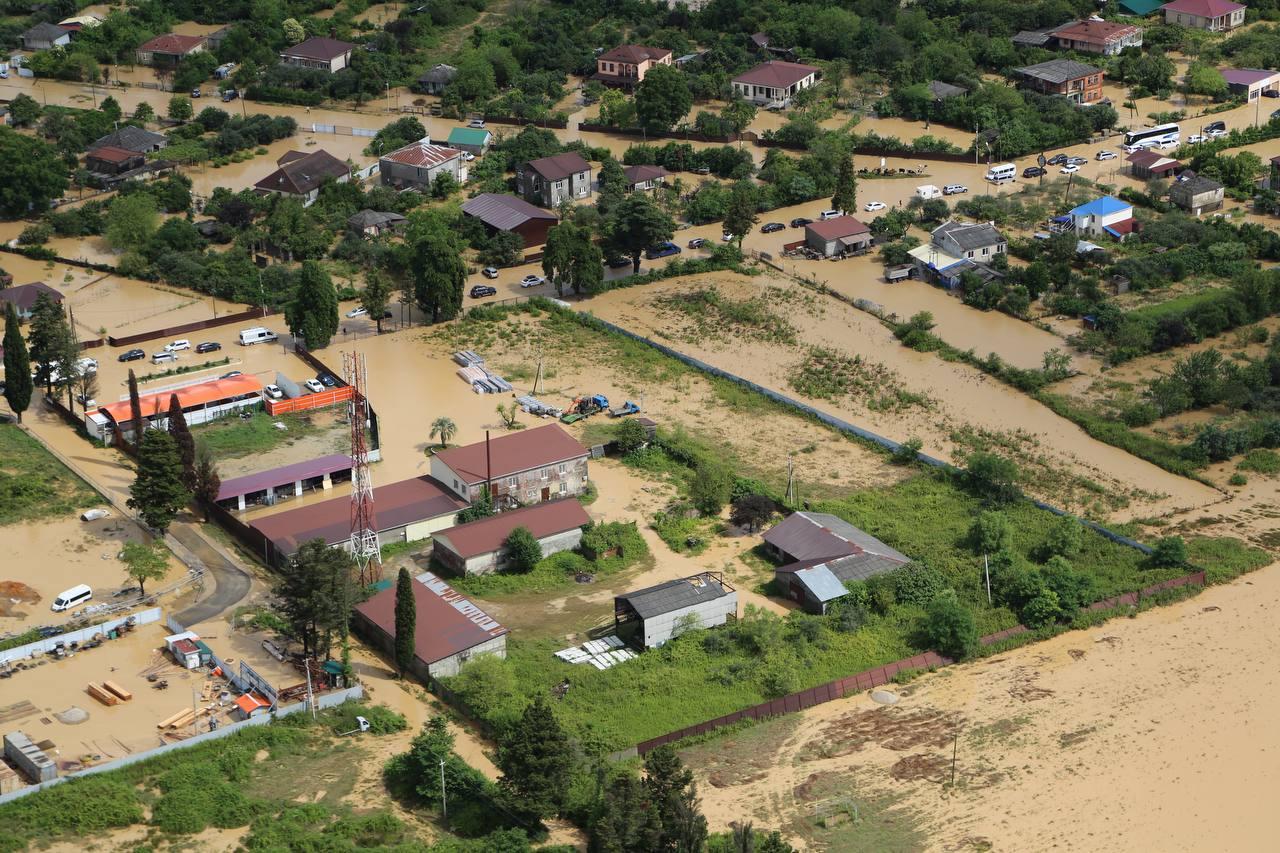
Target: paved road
{"points": [[232, 582]]}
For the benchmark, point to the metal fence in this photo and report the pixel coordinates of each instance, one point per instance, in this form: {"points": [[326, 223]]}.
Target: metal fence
{"points": [[144, 617]]}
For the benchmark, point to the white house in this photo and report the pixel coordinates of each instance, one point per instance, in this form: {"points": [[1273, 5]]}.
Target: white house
{"points": [[1106, 216], [774, 82]]}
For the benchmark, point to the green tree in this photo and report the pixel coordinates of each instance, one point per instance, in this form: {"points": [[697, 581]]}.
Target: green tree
{"points": [[990, 532], [313, 314], [397, 134], [136, 423], [24, 110], [110, 108], [48, 329], [294, 32], [617, 110], [18, 385], [1169, 551], [185, 441], [521, 551], [439, 274], [613, 186], [444, 186], [627, 820], [992, 477], [376, 296], [1065, 539], [144, 562], [950, 626], [406, 622], [751, 511], [662, 98], [741, 213], [157, 492], [503, 249], [630, 436], [318, 587], [481, 507], [180, 108], [295, 230], [636, 224], [709, 488], [907, 452], [846, 194], [208, 481], [131, 221], [144, 113], [444, 429], [674, 797], [1042, 610], [1203, 79], [418, 770], [536, 761], [738, 114], [34, 174], [572, 261]]}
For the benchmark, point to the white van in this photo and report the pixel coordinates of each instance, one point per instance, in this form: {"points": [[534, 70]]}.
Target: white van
{"points": [[928, 191], [256, 335], [1002, 173], [163, 357], [830, 214], [72, 597]]}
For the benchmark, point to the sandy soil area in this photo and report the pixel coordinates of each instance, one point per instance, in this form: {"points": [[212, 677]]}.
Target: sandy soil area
{"points": [[961, 395], [85, 553], [1105, 739]]}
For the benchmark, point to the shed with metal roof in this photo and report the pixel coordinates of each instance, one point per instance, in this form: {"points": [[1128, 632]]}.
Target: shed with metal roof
{"points": [[476, 548], [649, 617]]}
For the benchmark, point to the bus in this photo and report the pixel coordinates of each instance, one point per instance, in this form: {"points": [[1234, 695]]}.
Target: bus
{"points": [[1160, 136]]}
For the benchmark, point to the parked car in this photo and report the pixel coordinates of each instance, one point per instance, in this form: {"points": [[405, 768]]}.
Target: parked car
{"points": [[1215, 127], [178, 345], [801, 221], [195, 93], [357, 312], [468, 156], [726, 237], [619, 262], [489, 272], [772, 227], [482, 290], [132, 355], [1195, 139], [313, 386], [1105, 155], [1056, 160], [1271, 93], [87, 365], [697, 242], [532, 281], [1032, 172], [163, 357], [1216, 133], [702, 170], [662, 250], [476, 123], [208, 346], [954, 189], [832, 214], [230, 95], [1069, 169], [274, 392], [1076, 161], [231, 374], [327, 381], [871, 207]]}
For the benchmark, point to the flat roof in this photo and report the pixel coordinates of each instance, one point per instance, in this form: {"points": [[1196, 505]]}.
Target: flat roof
{"points": [[446, 622], [487, 534], [188, 396], [512, 453], [249, 483], [394, 505]]}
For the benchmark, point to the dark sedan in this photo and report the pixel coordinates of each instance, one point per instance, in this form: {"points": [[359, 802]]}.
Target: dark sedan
{"points": [[800, 222], [482, 290], [1032, 172], [618, 263], [772, 227], [132, 355], [208, 346]]}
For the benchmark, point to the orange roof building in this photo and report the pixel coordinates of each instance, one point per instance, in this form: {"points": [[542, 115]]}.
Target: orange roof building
{"points": [[201, 402]]}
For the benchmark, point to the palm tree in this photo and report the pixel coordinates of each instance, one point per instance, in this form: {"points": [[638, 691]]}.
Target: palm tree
{"points": [[445, 428]]}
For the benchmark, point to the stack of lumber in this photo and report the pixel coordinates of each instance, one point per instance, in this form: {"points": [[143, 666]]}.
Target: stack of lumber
{"points": [[102, 694], [124, 695]]}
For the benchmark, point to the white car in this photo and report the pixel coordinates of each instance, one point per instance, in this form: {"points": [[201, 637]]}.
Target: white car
{"points": [[1195, 139], [1105, 155], [178, 345], [726, 237], [314, 386], [873, 205], [274, 392], [468, 156], [357, 312], [532, 281], [1069, 169], [954, 189], [87, 365], [1215, 133], [476, 123]]}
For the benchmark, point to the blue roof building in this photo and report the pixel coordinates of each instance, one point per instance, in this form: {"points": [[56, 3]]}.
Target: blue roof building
{"points": [[1104, 216]]}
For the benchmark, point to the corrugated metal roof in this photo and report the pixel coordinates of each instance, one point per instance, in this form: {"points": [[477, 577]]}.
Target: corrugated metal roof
{"points": [[860, 567], [510, 454], [557, 167], [319, 48], [237, 486], [821, 583], [1057, 70], [970, 235], [423, 153], [469, 136], [487, 535], [675, 595], [821, 536], [837, 227], [504, 212], [447, 622]]}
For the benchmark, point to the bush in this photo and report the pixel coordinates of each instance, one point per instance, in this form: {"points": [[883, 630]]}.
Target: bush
{"points": [[990, 532], [917, 583], [620, 537], [709, 489], [950, 626], [992, 477], [630, 436], [1168, 552], [1042, 610], [382, 720], [1065, 538], [907, 451], [751, 511], [521, 550]]}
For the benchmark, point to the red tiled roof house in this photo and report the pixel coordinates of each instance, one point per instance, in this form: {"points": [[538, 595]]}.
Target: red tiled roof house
{"points": [[521, 468], [169, 49], [774, 82]]}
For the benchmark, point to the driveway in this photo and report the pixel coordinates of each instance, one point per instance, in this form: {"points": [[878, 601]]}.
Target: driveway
{"points": [[231, 582]]}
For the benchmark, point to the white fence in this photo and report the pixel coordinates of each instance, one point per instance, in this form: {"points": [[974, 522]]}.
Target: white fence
{"points": [[144, 617], [341, 130], [328, 700]]}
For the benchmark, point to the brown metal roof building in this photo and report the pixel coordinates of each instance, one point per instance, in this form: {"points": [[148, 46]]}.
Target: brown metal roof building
{"points": [[403, 512], [324, 53], [837, 236], [448, 630], [510, 213], [300, 175], [168, 49], [528, 466], [24, 296], [476, 548]]}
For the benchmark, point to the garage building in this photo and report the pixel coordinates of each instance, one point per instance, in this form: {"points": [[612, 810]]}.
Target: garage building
{"points": [[449, 630], [838, 236], [649, 617], [476, 548]]}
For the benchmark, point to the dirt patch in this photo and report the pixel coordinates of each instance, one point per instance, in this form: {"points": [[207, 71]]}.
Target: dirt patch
{"points": [[886, 727], [1025, 689], [930, 767], [14, 593], [1076, 654]]}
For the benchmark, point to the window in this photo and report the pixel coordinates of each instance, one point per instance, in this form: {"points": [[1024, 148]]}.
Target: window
{"points": [[545, 473], [512, 482], [455, 484], [531, 495], [564, 467], [564, 488]]}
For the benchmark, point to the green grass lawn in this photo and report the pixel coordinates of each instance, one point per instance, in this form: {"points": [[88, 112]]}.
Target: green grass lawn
{"points": [[229, 438], [33, 484]]}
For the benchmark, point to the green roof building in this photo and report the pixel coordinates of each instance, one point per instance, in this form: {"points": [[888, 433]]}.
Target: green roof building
{"points": [[1141, 8], [472, 139]]}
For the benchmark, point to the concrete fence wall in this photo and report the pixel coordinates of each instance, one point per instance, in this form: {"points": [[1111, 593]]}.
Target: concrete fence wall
{"points": [[328, 700], [142, 617]]}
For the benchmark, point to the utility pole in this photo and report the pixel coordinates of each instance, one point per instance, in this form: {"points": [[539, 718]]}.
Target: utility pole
{"points": [[311, 699], [444, 800], [986, 568]]}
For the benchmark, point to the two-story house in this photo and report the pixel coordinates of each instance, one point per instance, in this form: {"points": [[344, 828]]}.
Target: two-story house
{"points": [[323, 53], [1075, 81], [774, 82], [1105, 216], [418, 164], [1212, 15], [955, 248], [626, 65], [519, 468], [1197, 194], [551, 180], [1094, 35]]}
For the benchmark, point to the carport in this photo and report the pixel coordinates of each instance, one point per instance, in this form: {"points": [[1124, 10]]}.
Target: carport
{"points": [[268, 487]]}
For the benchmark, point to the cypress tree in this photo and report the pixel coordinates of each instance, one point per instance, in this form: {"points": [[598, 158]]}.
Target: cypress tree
{"points": [[313, 314], [846, 195], [135, 411], [46, 332], [536, 762], [157, 492], [186, 442], [406, 621], [207, 481], [18, 385]]}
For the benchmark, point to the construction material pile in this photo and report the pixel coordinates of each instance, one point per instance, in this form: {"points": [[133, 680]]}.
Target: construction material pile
{"points": [[602, 653], [480, 378]]}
